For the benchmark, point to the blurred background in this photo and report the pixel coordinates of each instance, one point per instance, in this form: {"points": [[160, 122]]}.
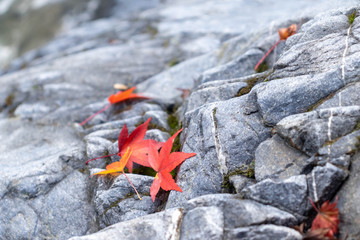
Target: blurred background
{"points": [[28, 24]]}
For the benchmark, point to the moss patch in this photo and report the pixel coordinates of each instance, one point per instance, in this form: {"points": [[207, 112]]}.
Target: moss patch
{"points": [[144, 171], [245, 90], [314, 106], [357, 126], [262, 68], [351, 17], [10, 99], [247, 171], [173, 62]]}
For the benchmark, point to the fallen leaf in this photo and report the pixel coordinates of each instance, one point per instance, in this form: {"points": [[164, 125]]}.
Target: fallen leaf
{"points": [[124, 95], [137, 143], [118, 167], [327, 218], [116, 98], [284, 33], [163, 163]]}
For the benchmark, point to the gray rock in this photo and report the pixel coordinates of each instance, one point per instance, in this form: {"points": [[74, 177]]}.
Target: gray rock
{"points": [[162, 225], [349, 208], [239, 213], [265, 231], [289, 194], [96, 147], [275, 159], [339, 152], [164, 85], [220, 134], [239, 67], [118, 124], [209, 219], [157, 135], [240, 182], [324, 181], [345, 97], [280, 98], [219, 90], [159, 118], [119, 202], [309, 131]]}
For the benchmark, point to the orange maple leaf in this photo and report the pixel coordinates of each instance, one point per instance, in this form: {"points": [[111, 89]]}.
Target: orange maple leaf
{"points": [[116, 98], [118, 167], [327, 218], [163, 163]]}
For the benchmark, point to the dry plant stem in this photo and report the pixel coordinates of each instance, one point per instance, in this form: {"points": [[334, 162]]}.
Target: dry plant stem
{"points": [[89, 118], [132, 186], [268, 52], [99, 158]]}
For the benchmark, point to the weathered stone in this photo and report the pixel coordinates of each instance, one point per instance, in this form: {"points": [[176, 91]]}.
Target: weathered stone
{"points": [[162, 225], [265, 231], [239, 67], [280, 98], [339, 152], [159, 118], [119, 202], [349, 208], [209, 219], [219, 90], [240, 182], [325, 181], [309, 131], [345, 97], [240, 213], [157, 135], [275, 159], [289, 194], [220, 134]]}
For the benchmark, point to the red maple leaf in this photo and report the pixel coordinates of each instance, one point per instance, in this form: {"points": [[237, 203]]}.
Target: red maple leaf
{"points": [[327, 218], [116, 98], [163, 163], [137, 143], [284, 33], [118, 167]]}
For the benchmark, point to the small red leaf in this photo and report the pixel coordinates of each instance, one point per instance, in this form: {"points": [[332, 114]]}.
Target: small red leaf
{"points": [[163, 163], [327, 218]]}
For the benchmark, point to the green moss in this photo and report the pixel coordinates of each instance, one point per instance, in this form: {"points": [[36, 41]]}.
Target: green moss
{"points": [[357, 126], [173, 62], [214, 116], [83, 170], [10, 99], [247, 171], [262, 68], [245, 90], [351, 17], [223, 50], [153, 31], [317, 104], [144, 171]]}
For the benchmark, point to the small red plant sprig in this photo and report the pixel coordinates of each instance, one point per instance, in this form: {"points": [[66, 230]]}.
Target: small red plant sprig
{"points": [[137, 143], [163, 163], [327, 219], [284, 33], [116, 98]]}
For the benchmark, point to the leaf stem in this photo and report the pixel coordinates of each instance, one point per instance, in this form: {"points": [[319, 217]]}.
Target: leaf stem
{"points": [[132, 186], [268, 52], [89, 118]]}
